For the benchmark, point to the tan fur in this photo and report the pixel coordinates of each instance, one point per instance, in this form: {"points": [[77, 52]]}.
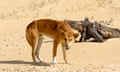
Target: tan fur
{"points": [[60, 31], [106, 34]]}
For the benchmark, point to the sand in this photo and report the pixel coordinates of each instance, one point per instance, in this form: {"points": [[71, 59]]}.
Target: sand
{"points": [[15, 53]]}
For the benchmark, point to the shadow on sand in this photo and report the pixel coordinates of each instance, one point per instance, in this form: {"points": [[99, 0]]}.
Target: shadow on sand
{"points": [[23, 62]]}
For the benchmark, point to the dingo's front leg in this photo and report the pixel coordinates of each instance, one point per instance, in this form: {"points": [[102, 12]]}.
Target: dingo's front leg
{"points": [[64, 53], [54, 51]]}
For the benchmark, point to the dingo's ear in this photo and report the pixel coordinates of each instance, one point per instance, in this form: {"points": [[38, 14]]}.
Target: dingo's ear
{"points": [[76, 35], [62, 32]]}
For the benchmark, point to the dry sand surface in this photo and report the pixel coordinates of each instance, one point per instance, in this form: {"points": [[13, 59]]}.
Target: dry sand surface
{"points": [[15, 53]]}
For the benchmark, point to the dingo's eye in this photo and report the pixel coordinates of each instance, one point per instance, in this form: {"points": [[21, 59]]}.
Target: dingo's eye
{"points": [[65, 39], [70, 40]]}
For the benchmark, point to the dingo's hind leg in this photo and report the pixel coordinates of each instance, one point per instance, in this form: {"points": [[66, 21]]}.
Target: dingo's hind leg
{"points": [[37, 50], [32, 41], [33, 50]]}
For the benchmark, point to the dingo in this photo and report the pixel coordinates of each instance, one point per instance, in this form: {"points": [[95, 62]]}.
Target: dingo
{"points": [[60, 31]]}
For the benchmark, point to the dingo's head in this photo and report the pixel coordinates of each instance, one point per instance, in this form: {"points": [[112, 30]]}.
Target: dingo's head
{"points": [[69, 38]]}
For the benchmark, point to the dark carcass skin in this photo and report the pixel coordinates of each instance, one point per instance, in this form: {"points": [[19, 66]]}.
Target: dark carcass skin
{"points": [[86, 30], [107, 32], [93, 30]]}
